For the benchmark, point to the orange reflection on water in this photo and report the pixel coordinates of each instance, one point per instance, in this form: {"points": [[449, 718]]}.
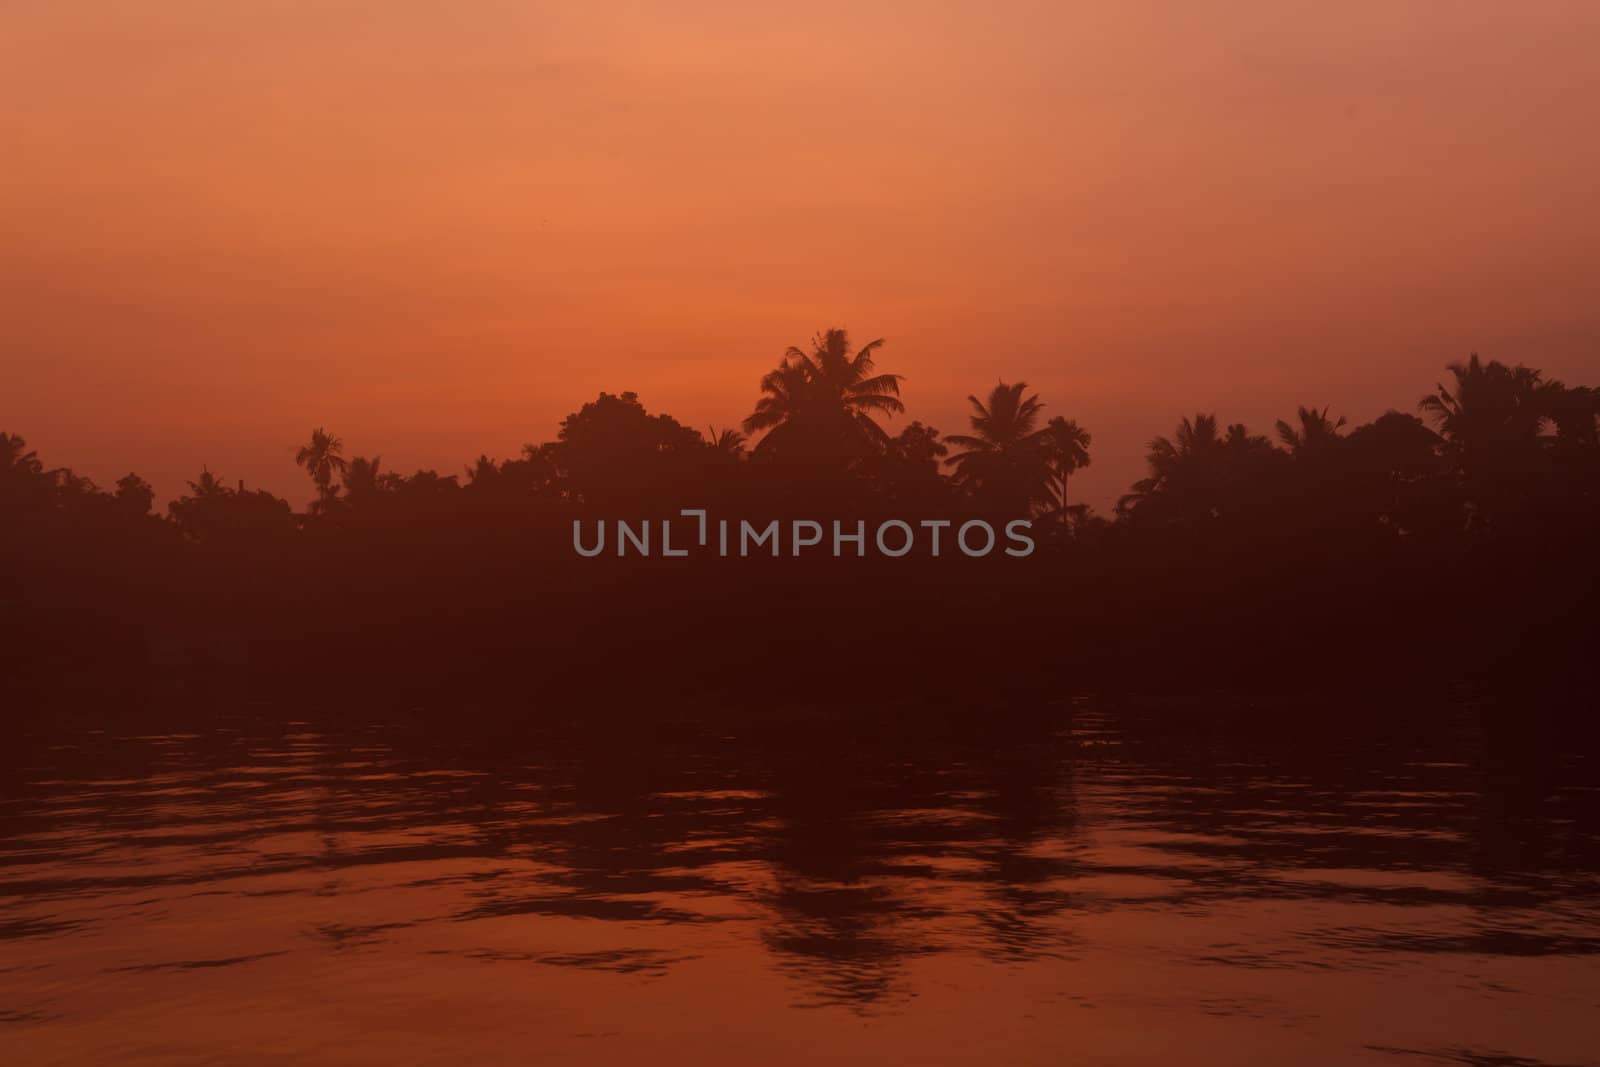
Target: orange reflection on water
{"points": [[394, 894]]}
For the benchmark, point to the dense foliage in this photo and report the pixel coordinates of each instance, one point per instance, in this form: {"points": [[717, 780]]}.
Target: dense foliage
{"points": [[1457, 538]]}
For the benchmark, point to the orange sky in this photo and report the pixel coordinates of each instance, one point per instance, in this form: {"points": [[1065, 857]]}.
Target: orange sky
{"points": [[436, 227]]}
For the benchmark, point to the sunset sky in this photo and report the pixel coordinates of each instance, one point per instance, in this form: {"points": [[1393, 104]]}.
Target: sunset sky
{"points": [[437, 227]]}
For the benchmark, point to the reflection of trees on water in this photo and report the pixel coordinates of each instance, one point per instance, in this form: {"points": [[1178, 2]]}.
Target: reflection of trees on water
{"points": [[854, 852]]}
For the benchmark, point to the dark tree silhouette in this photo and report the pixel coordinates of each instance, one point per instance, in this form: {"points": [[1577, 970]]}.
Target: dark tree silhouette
{"points": [[825, 401], [212, 513], [135, 494], [322, 458], [1575, 412], [1200, 475], [1067, 445], [1315, 433], [1408, 542], [21, 472], [905, 475], [364, 479], [726, 442], [1492, 408], [1006, 460], [1492, 421], [613, 453]]}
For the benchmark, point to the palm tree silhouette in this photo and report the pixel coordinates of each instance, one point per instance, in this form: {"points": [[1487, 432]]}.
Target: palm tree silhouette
{"points": [[196, 514], [1200, 474], [24, 477], [1067, 444], [1315, 433], [1007, 458], [1576, 413], [362, 478], [1195, 440], [727, 442], [826, 394], [1491, 422], [483, 471], [20, 467], [208, 487], [1492, 406], [14, 453], [322, 458]]}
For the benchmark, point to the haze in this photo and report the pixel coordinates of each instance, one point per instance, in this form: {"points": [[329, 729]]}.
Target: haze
{"points": [[436, 228]]}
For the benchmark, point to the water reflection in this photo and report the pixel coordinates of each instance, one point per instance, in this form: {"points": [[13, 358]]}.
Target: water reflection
{"points": [[1176, 877]]}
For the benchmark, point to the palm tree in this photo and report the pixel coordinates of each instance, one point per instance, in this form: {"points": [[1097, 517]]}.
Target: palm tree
{"points": [[1201, 473], [1492, 406], [209, 486], [1067, 444], [196, 514], [1168, 457], [322, 458], [14, 454], [1316, 431], [1007, 458], [20, 468], [1194, 438], [482, 472], [1491, 421], [1576, 413], [828, 394], [362, 477], [728, 442]]}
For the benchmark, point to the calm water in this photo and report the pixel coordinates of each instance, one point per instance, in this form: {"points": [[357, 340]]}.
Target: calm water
{"points": [[1093, 889]]}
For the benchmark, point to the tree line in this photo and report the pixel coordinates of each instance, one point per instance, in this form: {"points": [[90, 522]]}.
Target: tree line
{"points": [[1490, 480]]}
